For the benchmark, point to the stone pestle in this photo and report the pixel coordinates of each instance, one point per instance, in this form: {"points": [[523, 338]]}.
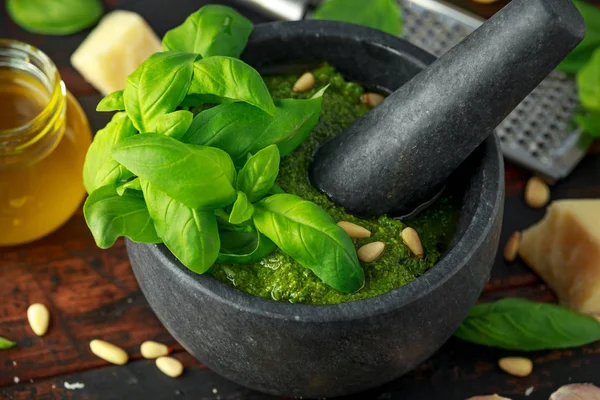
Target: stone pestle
{"points": [[398, 156]]}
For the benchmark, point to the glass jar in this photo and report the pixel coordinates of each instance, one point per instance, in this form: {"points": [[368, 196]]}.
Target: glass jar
{"points": [[44, 136]]}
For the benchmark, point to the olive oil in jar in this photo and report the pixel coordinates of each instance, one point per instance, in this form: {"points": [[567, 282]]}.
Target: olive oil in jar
{"points": [[44, 136]]}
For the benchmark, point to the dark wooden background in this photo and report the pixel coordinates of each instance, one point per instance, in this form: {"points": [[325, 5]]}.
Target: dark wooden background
{"points": [[93, 294]]}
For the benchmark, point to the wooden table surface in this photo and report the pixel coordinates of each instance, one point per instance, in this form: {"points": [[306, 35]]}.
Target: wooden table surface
{"points": [[92, 293]]}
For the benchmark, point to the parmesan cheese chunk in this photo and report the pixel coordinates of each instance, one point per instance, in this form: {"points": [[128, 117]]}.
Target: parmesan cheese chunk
{"points": [[114, 49], [564, 249]]}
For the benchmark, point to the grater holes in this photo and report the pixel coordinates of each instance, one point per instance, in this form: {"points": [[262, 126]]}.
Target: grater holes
{"points": [[537, 126]]}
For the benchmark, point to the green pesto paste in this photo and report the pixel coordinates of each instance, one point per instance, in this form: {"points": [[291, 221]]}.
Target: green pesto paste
{"points": [[278, 276]]}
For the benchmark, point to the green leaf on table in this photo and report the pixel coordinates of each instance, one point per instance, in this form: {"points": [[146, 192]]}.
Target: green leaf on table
{"points": [[239, 128], [6, 344], [516, 324], [259, 173], [100, 168], [52, 17], [242, 209], [110, 216], [308, 234], [583, 52], [191, 235], [588, 82], [112, 102], [230, 79], [589, 122], [157, 87], [213, 30], [173, 124], [132, 187], [200, 177], [379, 14]]}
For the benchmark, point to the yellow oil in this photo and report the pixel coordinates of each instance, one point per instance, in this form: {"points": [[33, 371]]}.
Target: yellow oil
{"points": [[37, 199]]}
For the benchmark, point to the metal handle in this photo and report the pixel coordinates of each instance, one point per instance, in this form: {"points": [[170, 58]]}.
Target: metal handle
{"points": [[288, 10]]}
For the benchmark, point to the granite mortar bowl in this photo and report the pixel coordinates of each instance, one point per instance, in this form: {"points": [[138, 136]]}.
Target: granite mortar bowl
{"points": [[332, 350]]}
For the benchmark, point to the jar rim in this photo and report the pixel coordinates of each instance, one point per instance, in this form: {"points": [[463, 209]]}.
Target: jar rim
{"points": [[26, 54]]}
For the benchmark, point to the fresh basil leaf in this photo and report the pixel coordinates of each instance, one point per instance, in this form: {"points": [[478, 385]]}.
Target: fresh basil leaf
{"points": [[174, 124], [213, 30], [157, 87], [379, 14], [231, 127], [583, 52], [276, 189], [243, 247], [292, 123], [6, 344], [590, 122], [230, 79], [516, 324], [191, 235], [200, 177], [51, 17], [588, 81], [100, 168], [112, 102], [203, 101], [239, 128], [109, 216], [242, 209], [308, 234], [258, 175], [132, 185]]}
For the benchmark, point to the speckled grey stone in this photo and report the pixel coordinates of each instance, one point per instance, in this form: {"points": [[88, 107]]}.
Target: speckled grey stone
{"points": [[399, 155], [332, 350]]}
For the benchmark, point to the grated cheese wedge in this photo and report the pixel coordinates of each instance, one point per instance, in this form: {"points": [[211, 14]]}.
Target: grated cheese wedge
{"points": [[564, 249], [114, 49]]}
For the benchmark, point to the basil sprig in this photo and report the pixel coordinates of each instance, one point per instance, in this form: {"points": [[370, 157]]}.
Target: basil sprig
{"points": [[213, 30], [308, 234], [205, 185], [582, 54], [584, 61], [55, 17], [379, 14], [6, 344], [100, 168], [109, 216], [516, 324]]}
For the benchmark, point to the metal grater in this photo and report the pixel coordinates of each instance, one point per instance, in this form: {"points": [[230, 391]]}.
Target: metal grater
{"points": [[537, 134]]}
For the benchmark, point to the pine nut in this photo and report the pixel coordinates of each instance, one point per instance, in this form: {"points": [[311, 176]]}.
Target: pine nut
{"points": [[537, 193], [169, 366], [151, 350], [354, 231], [304, 83], [371, 252], [577, 391], [517, 366], [372, 99], [412, 240], [39, 318], [109, 352], [512, 247]]}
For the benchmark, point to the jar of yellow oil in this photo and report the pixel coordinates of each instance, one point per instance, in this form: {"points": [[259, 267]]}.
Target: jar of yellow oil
{"points": [[44, 136]]}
